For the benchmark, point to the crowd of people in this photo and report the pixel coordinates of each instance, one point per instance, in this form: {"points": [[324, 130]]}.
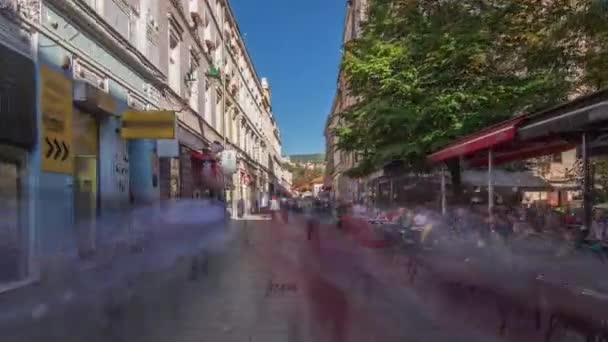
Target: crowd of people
{"points": [[561, 227]]}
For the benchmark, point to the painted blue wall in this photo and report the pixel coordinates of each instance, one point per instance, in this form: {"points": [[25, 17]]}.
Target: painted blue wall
{"points": [[54, 207], [54, 215], [143, 187]]}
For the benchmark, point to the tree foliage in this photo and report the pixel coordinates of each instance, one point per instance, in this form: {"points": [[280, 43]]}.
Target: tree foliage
{"points": [[303, 176], [428, 71]]}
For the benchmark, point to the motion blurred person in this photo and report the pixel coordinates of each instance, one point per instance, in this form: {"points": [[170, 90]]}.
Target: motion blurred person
{"points": [[274, 207], [240, 208], [285, 212]]}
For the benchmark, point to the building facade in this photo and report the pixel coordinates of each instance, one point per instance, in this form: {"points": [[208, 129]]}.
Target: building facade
{"points": [[70, 70], [343, 188]]}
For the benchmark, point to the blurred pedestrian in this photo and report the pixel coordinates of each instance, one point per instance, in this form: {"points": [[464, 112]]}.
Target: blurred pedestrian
{"points": [[598, 227], [240, 208], [274, 207], [285, 213]]}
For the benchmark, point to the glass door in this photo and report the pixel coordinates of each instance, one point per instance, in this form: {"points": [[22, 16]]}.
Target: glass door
{"points": [[85, 138], [13, 241], [85, 206]]}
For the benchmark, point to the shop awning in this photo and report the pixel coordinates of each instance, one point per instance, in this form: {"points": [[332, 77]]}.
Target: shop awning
{"points": [[586, 113], [485, 139], [521, 151], [531, 135]]}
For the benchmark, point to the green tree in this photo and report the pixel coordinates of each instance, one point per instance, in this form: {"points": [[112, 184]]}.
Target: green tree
{"points": [[303, 176], [428, 71]]}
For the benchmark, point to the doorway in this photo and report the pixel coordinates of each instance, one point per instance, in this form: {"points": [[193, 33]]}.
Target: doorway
{"points": [[86, 144], [13, 235]]}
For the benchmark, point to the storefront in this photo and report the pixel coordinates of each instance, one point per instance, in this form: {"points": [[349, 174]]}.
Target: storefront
{"points": [[102, 165], [208, 178], [180, 174], [18, 134]]}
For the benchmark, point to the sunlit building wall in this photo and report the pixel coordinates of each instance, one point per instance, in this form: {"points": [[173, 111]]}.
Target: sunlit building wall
{"points": [[82, 65], [342, 187]]}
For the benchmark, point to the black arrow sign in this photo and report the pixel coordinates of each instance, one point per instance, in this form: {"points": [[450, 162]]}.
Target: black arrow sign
{"points": [[57, 150], [49, 151], [66, 151]]}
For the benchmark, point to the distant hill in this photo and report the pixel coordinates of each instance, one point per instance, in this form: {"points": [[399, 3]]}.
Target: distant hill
{"points": [[303, 158]]}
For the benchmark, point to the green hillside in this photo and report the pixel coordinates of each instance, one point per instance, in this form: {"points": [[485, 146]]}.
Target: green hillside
{"points": [[315, 157]]}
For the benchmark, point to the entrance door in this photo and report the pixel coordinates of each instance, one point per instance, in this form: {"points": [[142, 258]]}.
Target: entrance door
{"points": [[85, 182], [85, 206], [13, 242]]}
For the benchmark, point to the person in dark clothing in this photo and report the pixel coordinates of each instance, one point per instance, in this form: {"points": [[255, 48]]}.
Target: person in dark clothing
{"points": [[240, 208], [312, 227], [285, 213]]}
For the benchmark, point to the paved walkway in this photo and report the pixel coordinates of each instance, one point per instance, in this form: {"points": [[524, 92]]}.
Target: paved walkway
{"points": [[268, 282]]}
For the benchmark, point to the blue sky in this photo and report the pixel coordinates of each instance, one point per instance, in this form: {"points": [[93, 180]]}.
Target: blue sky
{"points": [[296, 45]]}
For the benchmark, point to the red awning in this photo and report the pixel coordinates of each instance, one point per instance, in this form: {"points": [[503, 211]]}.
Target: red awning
{"points": [[522, 151], [488, 138]]}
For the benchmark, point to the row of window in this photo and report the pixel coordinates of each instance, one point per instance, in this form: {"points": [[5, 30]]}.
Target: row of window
{"points": [[187, 71]]}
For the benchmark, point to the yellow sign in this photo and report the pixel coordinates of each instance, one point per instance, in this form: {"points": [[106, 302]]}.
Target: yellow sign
{"points": [[153, 124], [56, 108]]}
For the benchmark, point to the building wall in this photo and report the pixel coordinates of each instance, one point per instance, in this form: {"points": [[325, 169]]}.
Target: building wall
{"points": [[339, 161], [122, 49]]}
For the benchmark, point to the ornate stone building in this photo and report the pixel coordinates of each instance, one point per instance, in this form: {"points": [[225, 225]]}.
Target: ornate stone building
{"points": [[70, 69], [343, 188]]}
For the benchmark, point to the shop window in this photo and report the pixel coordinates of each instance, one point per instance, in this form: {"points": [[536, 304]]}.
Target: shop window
{"points": [[14, 247]]}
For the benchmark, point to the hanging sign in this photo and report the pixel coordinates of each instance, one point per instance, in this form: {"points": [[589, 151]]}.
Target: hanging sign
{"points": [[56, 108], [167, 148], [228, 162], [150, 124]]}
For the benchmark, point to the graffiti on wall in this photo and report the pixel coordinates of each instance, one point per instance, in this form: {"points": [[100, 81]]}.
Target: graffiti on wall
{"points": [[121, 171]]}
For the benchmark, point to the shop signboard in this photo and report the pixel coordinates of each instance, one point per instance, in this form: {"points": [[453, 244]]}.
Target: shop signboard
{"points": [[152, 124], [168, 148], [228, 162], [57, 115]]}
